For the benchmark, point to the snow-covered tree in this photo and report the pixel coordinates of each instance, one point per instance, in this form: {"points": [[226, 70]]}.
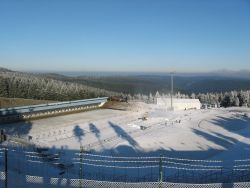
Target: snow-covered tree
{"points": [[193, 96]]}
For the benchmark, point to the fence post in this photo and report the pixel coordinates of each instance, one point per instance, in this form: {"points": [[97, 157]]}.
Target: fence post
{"points": [[81, 166], [160, 171], [6, 166], [1, 136]]}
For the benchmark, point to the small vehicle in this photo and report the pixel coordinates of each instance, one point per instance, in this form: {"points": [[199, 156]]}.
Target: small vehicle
{"points": [[246, 115], [118, 98]]}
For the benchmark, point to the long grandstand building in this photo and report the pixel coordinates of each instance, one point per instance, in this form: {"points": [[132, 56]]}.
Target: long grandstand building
{"points": [[50, 109]]}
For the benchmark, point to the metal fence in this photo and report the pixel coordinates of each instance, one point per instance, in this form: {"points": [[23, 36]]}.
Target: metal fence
{"points": [[28, 181], [20, 167]]}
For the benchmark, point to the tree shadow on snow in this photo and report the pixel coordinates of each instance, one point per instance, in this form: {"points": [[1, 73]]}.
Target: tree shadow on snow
{"points": [[218, 140], [94, 130], [78, 133], [123, 134], [232, 124], [236, 126], [15, 124]]}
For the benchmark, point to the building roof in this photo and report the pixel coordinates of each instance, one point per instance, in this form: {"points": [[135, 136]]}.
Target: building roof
{"points": [[50, 106]]}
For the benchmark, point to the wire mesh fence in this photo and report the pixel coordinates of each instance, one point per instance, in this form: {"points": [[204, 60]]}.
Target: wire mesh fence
{"points": [[29, 181], [21, 167]]}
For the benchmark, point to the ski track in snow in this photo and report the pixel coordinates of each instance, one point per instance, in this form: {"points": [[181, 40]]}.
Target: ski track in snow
{"points": [[214, 134]]}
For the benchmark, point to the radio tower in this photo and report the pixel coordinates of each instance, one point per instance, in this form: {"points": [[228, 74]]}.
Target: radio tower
{"points": [[172, 89]]}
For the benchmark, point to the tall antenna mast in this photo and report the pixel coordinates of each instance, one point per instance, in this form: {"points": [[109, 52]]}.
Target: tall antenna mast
{"points": [[172, 89]]}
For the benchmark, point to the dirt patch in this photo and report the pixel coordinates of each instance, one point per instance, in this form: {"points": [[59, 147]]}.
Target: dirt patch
{"points": [[14, 102], [117, 105]]}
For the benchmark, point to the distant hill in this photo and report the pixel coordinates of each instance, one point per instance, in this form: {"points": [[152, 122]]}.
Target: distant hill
{"points": [[5, 70], [145, 83], [244, 74], [151, 83], [54, 86]]}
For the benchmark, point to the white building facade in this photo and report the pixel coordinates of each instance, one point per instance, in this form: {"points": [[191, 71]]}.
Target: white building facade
{"points": [[179, 104]]}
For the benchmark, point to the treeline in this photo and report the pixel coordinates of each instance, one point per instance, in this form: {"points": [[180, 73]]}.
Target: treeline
{"points": [[32, 86], [227, 99], [151, 98]]}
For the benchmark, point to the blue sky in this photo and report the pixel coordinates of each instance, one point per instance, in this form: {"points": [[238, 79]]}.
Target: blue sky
{"points": [[125, 35]]}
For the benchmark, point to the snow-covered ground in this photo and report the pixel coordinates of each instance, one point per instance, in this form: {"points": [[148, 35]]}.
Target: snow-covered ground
{"points": [[212, 134]]}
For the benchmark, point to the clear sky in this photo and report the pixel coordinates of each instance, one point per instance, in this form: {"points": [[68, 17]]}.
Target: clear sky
{"points": [[125, 35]]}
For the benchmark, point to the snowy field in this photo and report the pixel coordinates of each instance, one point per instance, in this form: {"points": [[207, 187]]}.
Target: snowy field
{"points": [[112, 141]]}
